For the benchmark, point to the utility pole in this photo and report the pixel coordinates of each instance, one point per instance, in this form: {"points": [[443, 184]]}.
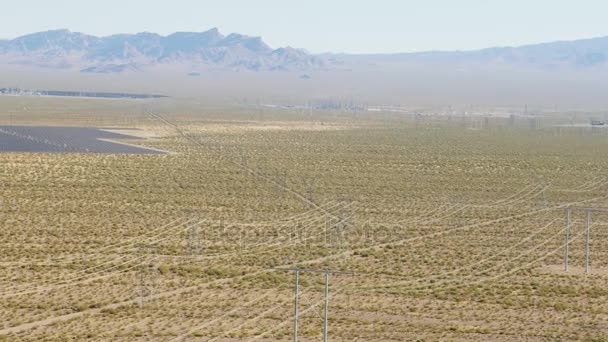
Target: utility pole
{"points": [[325, 306], [587, 242], [295, 307], [567, 239], [326, 296]]}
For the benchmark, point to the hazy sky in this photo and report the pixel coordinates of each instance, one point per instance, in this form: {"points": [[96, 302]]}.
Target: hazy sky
{"points": [[325, 25]]}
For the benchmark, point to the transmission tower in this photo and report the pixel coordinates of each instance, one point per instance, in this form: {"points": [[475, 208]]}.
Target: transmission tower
{"points": [[309, 184], [588, 211], [340, 224], [147, 274], [194, 241], [326, 273]]}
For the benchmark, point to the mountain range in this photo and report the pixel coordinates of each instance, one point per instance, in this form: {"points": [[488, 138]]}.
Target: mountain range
{"points": [[124, 52], [200, 51], [582, 53]]}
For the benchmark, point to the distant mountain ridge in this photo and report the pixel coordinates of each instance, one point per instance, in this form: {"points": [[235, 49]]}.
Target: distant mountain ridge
{"points": [[210, 50], [121, 52], [582, 53]]}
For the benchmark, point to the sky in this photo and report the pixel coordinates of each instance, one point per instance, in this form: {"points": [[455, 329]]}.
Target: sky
{"points": [[354, 26]]}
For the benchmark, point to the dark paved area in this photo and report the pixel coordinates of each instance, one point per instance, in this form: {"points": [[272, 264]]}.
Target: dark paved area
{"points": [[66, 140]]}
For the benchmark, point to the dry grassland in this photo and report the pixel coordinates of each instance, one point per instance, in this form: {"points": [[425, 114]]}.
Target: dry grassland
{"points": [[453, 234]]}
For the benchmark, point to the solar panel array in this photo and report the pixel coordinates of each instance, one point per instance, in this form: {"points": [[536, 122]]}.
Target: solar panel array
{"points": [[67, 140]]}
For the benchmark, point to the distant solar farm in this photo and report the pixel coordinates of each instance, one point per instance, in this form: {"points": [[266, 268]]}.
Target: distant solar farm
{"points": [[43, 139]]}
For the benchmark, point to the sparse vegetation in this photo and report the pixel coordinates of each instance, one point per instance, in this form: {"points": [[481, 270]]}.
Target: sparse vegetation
{"points": [[453, 233]]}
